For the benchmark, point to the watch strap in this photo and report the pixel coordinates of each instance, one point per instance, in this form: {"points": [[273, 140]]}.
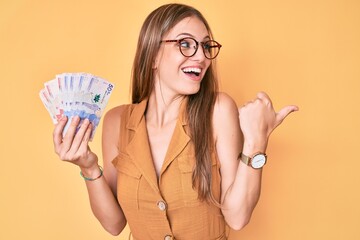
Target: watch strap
{"points": [[245, 159]]}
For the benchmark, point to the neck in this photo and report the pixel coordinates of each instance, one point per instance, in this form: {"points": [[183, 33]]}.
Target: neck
{"points": [[162, 108]]}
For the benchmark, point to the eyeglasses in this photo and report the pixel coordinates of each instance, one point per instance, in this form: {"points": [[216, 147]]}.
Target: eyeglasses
{"points": [[188, 47]]}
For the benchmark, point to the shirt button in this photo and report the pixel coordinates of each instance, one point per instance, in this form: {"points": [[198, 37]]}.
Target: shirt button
{"points": [[168, 237], [162, 206]]}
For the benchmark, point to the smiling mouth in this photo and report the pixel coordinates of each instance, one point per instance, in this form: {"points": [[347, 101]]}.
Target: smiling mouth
{"points": [[192, 71]]}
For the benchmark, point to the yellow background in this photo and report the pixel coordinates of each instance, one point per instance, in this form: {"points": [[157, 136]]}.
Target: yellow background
{"points": [[300, 52]]}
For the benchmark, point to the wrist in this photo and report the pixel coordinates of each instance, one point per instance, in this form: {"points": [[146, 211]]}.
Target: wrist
{"points": [[250, 148], [91, 172]]}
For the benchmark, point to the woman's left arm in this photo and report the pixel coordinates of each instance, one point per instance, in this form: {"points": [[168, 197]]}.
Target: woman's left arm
{"points": [[240, 183]]}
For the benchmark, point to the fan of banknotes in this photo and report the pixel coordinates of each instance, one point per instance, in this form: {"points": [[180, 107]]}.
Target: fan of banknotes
{"points": [[76, 94]]}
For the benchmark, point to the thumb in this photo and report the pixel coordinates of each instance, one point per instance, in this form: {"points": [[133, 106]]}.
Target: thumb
{"points": [[284, 112]]}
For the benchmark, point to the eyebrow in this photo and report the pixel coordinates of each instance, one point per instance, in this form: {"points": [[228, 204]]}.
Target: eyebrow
{"points": [[190, 35]]}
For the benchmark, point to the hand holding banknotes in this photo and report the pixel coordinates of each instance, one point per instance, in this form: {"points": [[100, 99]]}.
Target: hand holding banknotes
{"points": [[73, 147], [75, 102]]}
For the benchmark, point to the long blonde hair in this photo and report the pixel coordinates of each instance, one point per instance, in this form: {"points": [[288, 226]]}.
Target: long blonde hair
{"points": [[200, 105]]}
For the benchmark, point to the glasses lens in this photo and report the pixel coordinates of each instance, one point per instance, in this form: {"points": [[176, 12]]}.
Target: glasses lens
{"points": [[188, 47], [211, 49]]}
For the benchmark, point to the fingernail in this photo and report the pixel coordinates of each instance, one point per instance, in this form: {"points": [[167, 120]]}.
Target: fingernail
{"points": [[86, 121], [76, 119]]}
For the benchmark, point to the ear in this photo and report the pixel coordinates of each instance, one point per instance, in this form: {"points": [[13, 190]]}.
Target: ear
{"points": [[157, 60], [155, 64]]}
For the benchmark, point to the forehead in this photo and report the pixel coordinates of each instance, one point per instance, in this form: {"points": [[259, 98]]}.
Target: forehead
{"points": [[190, 25]]}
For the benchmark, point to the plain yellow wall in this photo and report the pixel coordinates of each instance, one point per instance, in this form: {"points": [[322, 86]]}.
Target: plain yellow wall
{"points": [[299, 52]]}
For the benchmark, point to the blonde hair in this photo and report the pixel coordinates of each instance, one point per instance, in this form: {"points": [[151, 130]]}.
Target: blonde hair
{"points": [[200, 105]]}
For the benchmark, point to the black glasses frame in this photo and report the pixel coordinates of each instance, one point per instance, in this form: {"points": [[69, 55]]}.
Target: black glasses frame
{"points": [[216, 45]]}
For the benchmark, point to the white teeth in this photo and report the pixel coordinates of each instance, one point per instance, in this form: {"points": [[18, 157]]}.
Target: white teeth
{"points": [[195, 70]]}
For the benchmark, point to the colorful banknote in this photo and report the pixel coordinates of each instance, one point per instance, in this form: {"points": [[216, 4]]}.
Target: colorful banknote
{"points": [[76, 94]]}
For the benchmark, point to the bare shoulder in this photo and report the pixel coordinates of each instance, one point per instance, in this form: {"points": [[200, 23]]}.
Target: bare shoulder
{"points": [[225, 116], [112, 118], [111, 131], [224, 107], [114, 114]]}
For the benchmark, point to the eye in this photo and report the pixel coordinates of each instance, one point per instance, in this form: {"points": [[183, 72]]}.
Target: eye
{"points": [[185, 43], [209, 45]]}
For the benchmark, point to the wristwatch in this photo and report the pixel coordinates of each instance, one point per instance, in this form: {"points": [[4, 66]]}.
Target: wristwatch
{"points": [[257, 161]]}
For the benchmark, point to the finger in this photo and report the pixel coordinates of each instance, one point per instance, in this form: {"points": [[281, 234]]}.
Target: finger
{"points": [[247, 103], [86, 138], [284, 112], [264, 97], [79, 136], [85, 141], [57, 134], [69, 136]]}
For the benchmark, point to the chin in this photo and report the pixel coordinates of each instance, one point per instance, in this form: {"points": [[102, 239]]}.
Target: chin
{"points": [[191, 90]]}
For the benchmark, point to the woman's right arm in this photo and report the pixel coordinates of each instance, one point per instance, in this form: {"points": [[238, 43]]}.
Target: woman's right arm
{"points": [[102, 191]]}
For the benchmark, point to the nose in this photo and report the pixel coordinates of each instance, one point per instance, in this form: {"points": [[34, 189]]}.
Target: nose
{"points": [[200, 54]]}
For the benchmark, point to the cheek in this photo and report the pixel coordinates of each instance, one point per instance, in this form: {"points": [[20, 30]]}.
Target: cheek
{"points": [[172, 65], [208, 63], [207, 68]]}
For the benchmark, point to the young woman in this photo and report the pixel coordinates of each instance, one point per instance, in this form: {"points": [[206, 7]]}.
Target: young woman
{"points": [[172, 162]]}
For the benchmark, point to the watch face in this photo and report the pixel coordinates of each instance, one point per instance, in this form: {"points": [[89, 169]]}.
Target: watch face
{"points": [[258, 161]]}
